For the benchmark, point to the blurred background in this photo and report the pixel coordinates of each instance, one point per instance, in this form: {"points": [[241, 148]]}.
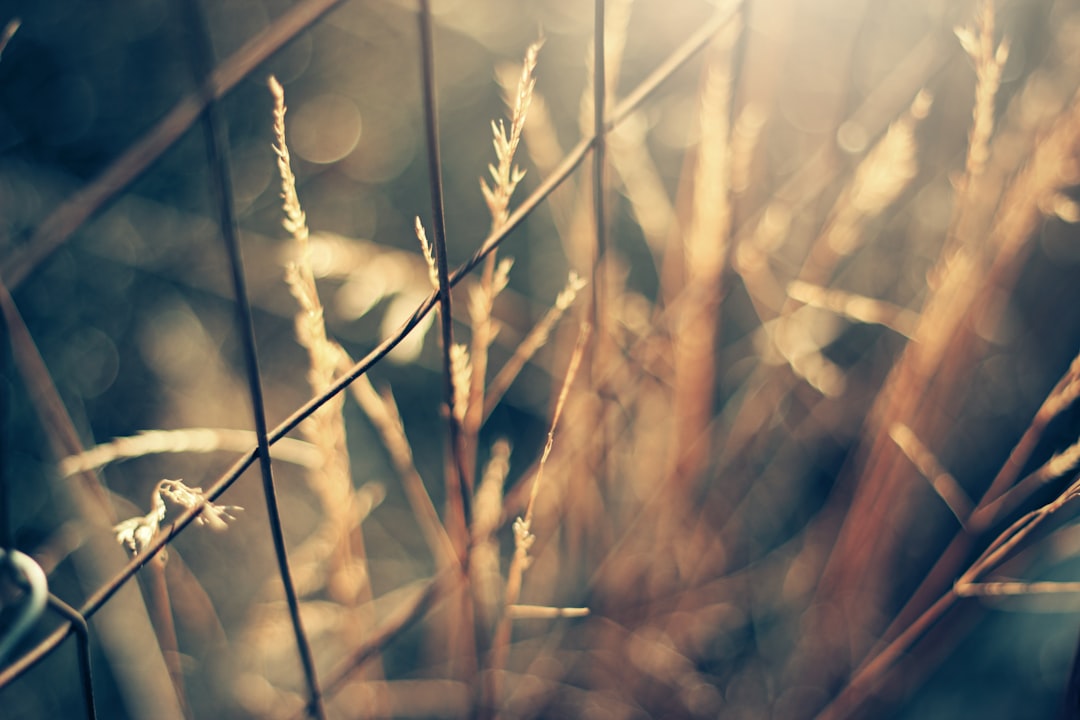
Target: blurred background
{"points": [[134, 319]]}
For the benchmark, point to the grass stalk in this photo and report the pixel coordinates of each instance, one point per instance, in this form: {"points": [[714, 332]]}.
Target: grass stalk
{"points": [[446, 280], [505, 176], [717, 447], [523, 537], [383, 413], [332, 479], [599, 166], [944, 344], [705, 257], [184, 440], [164, 627]]}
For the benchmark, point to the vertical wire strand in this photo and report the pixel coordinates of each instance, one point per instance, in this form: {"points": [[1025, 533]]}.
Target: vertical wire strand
{"points": [[217, 155], [599, 284], [599, 151], [599, 145], [82, 639], [431, 124]]}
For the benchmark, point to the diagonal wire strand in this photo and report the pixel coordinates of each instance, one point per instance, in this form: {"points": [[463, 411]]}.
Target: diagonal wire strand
{"points": [[679, 57], [74, 212]]}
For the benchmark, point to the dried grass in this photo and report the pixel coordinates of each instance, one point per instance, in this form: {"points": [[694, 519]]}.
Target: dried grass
{"points": [[737, 491]]}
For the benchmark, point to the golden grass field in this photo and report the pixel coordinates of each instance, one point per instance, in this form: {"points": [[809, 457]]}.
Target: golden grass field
{"points": [[554, 359]]}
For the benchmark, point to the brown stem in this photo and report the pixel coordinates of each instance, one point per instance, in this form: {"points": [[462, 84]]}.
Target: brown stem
{"points": [[161, 614]]}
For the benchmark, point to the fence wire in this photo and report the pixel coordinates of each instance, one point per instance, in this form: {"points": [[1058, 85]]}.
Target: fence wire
{"points": [[214, 83]]}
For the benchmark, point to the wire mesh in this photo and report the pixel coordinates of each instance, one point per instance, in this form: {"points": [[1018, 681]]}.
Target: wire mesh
{"points": [[803, 559], [215, 83]]}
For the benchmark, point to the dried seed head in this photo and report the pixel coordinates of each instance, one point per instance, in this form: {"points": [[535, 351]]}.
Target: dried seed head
{"points": [[138, 532], [215, 517], [429, 253], [462, 372]]}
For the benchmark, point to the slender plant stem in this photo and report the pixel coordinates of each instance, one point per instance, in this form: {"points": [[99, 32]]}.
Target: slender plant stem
{"points": [[161, 612], [263, 453], [598, 285], [986, 512], [867, 677], [62, 435], [458, 477], [864, 681]]}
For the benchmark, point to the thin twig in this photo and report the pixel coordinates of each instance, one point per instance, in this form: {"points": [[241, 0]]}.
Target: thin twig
{"points": [[564, 392], [384, 415], [536, 339], [870, 674], [1013, 588], [1064, 392], [543, 612], [600, 461], [943, 483], [991, 506], [1058, 465]]}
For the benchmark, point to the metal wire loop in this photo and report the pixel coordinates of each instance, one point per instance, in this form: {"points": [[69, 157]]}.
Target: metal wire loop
{"points": [[28, 575]]}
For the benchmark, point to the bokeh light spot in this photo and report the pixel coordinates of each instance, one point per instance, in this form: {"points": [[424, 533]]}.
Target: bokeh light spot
{"points": [[325, 129]]}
